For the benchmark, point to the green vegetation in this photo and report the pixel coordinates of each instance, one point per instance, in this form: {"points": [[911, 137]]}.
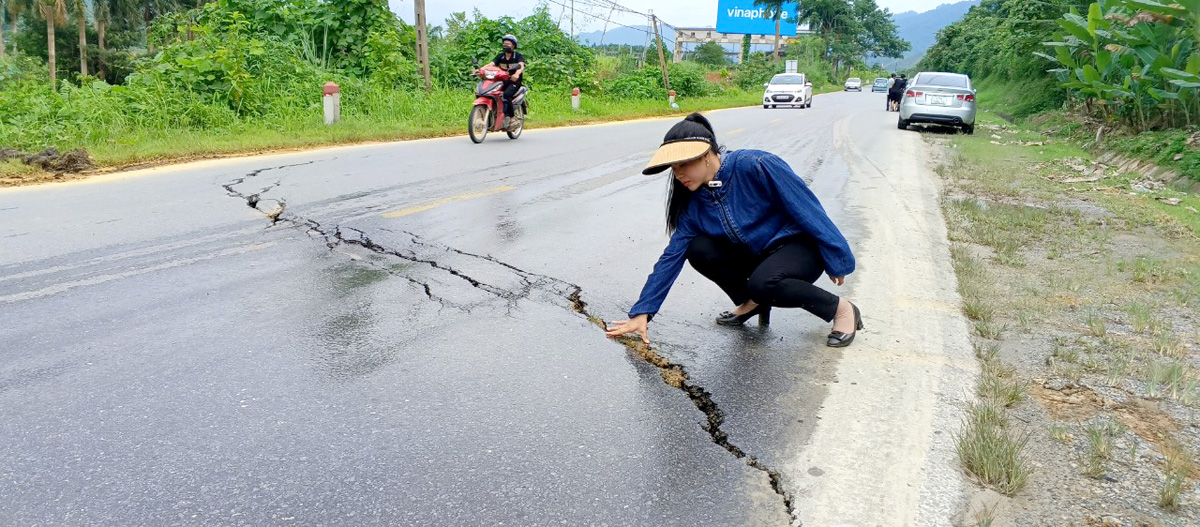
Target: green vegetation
{"points": [[1108, 280], [1125, 77], [710, 54], [991, 451], [848, 30], [135, 123], [146, 80], [1133, 62]]}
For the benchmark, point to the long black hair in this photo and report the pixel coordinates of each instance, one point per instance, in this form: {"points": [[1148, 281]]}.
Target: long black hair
{"points": [[678, 196]]}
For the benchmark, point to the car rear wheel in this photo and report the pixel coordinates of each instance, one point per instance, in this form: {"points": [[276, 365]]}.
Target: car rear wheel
{"points": [[902, 124], [968, 129], [765, 107]]}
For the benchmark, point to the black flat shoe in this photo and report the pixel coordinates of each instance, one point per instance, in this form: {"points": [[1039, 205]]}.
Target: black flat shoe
{"points": [[837, 339], [729, 319]]}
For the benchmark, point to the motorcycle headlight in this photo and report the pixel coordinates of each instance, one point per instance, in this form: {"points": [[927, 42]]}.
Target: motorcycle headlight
{"points": [[490, 75]]}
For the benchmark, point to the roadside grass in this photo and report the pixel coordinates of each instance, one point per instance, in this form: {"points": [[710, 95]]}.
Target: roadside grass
{"points": [[1178, 467], [985, 517], [1166, 148], [13, 168], [1099, 282], [395, 117], [444, 114], [1100, 449], [1060, 433], [991, 451]]}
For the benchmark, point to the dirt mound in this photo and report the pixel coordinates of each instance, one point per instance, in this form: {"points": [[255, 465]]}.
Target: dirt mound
{"points": [[51, 160]]}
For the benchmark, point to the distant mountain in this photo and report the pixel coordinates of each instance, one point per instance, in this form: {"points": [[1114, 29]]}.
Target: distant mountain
{"points": [[627, 35], [921, 29]]}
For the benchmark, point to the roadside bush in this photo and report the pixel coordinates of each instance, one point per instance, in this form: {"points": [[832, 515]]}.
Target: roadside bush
{"points": [[1132, 63], [687, 79], [757, 69], [363, 38], [636, 85], [555, 60], [229, 66]]}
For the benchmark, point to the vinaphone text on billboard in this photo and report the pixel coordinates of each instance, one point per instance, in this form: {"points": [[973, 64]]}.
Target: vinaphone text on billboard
{"points": [[743, 17]]}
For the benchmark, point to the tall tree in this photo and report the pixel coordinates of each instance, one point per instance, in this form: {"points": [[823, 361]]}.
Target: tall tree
{"points": [[102, 14], [54, 12], [775, 11], [851, 28], [834, 21], [877, 33], [14, 8], [710, 53], [3, 10], [79, 9]]}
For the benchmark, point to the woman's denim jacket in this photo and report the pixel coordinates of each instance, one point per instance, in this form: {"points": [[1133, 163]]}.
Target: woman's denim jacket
{"points": [[760, 202]]}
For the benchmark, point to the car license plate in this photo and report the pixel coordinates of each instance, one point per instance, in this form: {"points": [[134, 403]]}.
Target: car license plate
{"points": [[940, 100]]}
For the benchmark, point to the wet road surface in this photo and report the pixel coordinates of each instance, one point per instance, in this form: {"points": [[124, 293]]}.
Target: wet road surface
{"points": [[409, 344]]}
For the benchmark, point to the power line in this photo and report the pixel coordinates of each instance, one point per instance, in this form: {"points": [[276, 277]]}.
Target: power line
{"points": [[611, 21]]}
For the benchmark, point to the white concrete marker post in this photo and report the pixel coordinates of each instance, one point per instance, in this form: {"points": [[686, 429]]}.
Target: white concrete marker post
{"points": [[671, 98], [575, 99], [333, 103]]}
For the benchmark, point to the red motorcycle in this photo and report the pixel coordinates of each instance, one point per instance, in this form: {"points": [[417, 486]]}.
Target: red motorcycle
{"points": [[487, 115]]}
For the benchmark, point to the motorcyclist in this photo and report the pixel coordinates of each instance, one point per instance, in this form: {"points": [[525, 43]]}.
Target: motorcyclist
{"points": [[508, 60]]}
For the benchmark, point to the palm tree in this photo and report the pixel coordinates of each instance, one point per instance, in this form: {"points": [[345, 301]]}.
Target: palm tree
{"points": [[80, 12], [102, 13], [3, 9], [775, 10], [55, 14], [14, 8]]}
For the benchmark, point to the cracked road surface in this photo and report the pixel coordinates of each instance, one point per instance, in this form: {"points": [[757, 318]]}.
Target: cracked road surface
{"points": [[406, 334]]}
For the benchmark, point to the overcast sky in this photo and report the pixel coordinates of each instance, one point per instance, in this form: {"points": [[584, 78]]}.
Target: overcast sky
{"points": [[683, 13]]}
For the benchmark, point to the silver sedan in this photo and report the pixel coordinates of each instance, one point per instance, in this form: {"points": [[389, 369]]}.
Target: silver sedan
{"points": [[939, 98]]}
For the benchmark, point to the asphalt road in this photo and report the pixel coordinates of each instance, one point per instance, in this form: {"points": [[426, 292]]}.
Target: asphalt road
{"points": [[410, 344]]}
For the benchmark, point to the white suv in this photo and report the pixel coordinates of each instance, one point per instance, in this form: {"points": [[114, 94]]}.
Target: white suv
{"points": [[788, 89]]}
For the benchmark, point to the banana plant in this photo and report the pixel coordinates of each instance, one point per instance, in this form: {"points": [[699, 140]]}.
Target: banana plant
{"points": [[1135, 60]]}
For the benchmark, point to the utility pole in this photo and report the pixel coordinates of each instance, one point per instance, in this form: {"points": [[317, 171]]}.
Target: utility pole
{"points": [[662, 63], [422, 42], [572, 19], [646, 47]]}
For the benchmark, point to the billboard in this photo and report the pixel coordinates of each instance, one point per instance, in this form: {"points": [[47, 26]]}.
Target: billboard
{"points": [[743, 17]]}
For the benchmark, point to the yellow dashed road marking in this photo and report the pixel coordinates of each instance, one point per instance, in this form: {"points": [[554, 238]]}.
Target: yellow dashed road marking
{"points": [[445, 201]]}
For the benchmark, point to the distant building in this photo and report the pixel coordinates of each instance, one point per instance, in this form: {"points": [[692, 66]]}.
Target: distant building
{"points": [[687, 38]]}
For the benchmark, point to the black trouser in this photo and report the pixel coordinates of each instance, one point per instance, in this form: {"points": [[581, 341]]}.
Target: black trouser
{"points": [[782, 276], [510, 91], [892, 96]]}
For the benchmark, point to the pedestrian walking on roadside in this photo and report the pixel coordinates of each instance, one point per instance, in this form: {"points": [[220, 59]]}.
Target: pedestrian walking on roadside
{"points": [[891, 83], [746, 221], [896, 92]]}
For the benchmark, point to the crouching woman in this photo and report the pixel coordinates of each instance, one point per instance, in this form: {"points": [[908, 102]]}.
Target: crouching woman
{"points": [[746, 221]]}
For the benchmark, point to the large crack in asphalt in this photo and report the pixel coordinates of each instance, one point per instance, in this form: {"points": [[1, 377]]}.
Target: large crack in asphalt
{"points": [[672, 373]]}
